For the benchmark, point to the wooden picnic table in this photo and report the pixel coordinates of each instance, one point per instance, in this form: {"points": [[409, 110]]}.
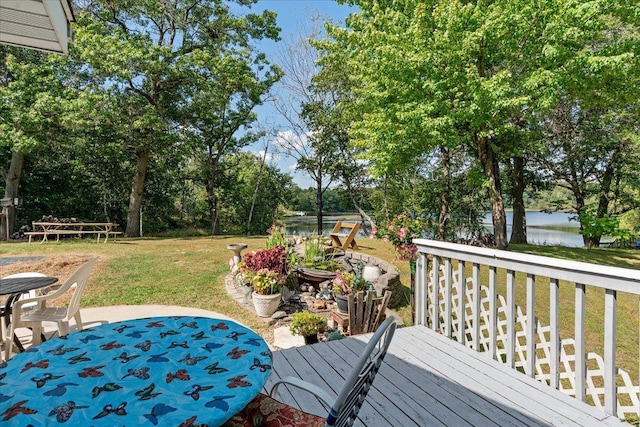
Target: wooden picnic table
{"points": [[72, 228]]}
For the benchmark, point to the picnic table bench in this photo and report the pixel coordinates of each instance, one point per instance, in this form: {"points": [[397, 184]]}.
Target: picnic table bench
{"points": [[46, 229]]}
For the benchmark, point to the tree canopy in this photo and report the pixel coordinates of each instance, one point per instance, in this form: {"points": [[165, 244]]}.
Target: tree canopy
{"points": [[156, 85], [471, 75], [438, 110]]}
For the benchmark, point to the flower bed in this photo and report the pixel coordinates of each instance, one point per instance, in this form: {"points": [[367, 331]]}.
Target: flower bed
{"points": [[389, 280]]}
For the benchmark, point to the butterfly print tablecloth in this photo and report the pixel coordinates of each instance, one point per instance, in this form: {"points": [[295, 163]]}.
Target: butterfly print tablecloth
{"points": [[166, 371]]}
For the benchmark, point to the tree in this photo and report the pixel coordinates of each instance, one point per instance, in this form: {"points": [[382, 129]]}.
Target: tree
{"points": [[329, 125], [32, 101], [428, 74], [588, 154], [590, 136], [315, 151], [152, 53], [220, 104], [243, 174]]}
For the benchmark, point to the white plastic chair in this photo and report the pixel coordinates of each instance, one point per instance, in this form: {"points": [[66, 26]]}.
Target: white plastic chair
{"points": [[34, 317], [31, 294], [265, 411]]}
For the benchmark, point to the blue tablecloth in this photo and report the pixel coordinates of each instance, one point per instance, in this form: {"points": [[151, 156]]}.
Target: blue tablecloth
{"points": [[169, 371]]}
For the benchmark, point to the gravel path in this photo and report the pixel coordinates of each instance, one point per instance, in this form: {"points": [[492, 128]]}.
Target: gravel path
{"points": [[11, 259]]}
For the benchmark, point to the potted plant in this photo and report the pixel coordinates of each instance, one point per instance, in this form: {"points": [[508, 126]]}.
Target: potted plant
{"points": [[267, 269], [266, 292], [243, 282], [308, 325], [346, 283]]}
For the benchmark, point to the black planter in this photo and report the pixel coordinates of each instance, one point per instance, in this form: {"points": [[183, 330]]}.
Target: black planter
{"points": [[313, 276], [311, 339], [343, 303]]}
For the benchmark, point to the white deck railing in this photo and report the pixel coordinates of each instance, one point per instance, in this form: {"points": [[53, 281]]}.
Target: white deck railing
{"points": [[494, 324]]}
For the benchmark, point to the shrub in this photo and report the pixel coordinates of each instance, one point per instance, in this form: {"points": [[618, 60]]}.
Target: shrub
{"points": [[274, 259], [401, 231], [305, 323]]}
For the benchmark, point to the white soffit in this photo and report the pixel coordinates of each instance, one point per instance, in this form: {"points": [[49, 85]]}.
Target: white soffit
{"points": [[37, 24]]}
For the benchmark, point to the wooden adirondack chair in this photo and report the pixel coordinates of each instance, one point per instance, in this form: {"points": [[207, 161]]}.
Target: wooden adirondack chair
{"points": [[349, 238]]}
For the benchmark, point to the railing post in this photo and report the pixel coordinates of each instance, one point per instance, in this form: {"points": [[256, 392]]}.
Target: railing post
{"points": [[511, 318], [435, 295], [531, 325], [554, 295], [475, 279], [421, 290], [448, 273], [493, 311], [580, 363], [462, 302], [610, 392]]}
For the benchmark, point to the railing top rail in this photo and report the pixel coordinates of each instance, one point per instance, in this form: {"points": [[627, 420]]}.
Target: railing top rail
{"points": [[615, 278]]}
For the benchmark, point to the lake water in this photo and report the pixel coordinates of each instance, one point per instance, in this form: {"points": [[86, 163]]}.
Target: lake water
{"points": [[307, 225], [542, 228], [554, 228]]}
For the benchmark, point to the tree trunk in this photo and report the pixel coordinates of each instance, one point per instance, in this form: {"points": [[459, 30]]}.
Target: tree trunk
{"points": [[366, 218], [519, 224], [12, 184], [580, 208], [212, 204], [137, 191], [445, 196], [605, 188], [215, 218], [255, 192], [491, 168], [492, 172]]}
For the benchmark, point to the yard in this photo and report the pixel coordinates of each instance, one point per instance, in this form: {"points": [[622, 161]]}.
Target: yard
{"points": [[186, 271], [190, 271]]}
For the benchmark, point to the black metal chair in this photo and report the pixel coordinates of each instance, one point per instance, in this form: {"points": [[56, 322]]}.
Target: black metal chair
{"points": [[265, 411]]}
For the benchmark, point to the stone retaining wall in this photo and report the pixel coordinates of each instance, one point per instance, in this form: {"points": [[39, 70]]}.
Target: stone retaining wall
{"points": [[389, 280]]}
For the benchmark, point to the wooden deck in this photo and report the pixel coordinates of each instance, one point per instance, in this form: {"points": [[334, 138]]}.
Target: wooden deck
{"points": [[429, 380]]}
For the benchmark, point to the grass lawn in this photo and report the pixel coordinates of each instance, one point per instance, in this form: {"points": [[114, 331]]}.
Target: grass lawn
{"points": [[185, 271]]}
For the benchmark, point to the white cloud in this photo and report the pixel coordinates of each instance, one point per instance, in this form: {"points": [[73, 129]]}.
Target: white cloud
{"points": [[288, 139], [269, 158]]}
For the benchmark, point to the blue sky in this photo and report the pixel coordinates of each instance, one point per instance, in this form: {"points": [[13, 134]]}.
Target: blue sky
{"points": [[293, 15]]}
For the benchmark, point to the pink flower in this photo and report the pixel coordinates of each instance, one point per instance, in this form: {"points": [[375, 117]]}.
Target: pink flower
{"points": [[400, 232]]}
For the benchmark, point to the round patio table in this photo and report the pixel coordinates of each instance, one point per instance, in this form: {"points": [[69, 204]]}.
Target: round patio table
{"points": [[170, 371]]}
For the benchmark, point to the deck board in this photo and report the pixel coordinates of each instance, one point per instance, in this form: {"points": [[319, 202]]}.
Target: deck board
{"points": [[386, 411], [427, 379]]}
